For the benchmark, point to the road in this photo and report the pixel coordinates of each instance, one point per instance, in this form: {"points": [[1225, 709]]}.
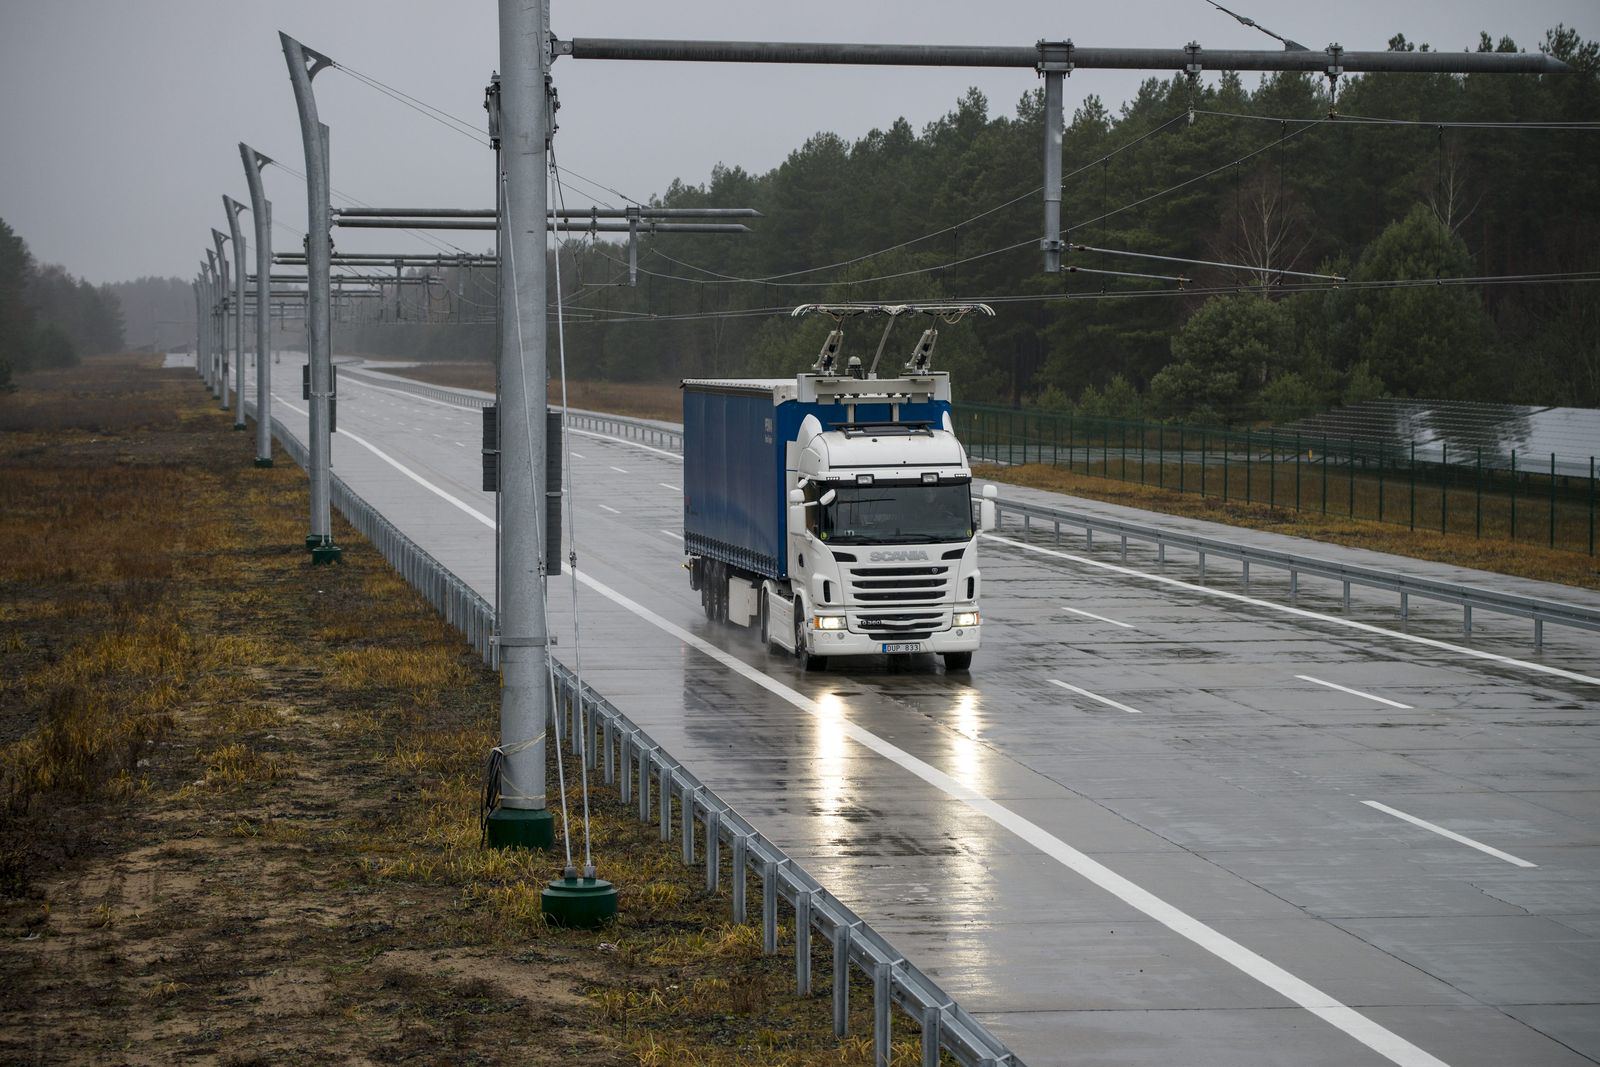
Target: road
{"points": [[1158, 823]]}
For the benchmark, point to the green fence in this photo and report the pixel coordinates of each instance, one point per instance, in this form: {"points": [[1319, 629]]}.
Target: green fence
{"points": [[1540, 499]]}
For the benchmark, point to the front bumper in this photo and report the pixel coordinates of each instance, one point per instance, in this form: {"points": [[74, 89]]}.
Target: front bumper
{"points": [[849, 643]]}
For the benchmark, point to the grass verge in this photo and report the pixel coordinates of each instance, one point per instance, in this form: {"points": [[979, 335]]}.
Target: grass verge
{"points": [[235, 827], [1505, 557]]}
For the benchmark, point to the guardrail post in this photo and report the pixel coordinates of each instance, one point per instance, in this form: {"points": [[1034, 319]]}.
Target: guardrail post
{"points": [[644, 784], [664, 804], [1202, 566], [769, 907], [1161, 551], [1405, 606], [841, 981], [713, 849], [1246, 576], [1124, 548], [608, 740], [686, 806], [740, 847], [881, 1019], [1466, 619], [1347, 598], [1538, 635], [624, 766], [802, 944], [1294, 585], [932, 1016]]}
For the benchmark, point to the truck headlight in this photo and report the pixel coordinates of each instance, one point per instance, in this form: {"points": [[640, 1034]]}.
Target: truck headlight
{"points": [[965, 618], [828, 622]]}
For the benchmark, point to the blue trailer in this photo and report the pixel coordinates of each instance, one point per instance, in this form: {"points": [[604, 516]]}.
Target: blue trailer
{"points": [[736, 481]]}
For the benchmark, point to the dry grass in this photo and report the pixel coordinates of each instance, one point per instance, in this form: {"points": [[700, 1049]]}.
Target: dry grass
{"points": [[1505, 557], [240, 819]]}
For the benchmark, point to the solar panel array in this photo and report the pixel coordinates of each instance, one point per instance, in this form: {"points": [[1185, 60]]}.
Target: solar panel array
{"points": [[1456, 431]]}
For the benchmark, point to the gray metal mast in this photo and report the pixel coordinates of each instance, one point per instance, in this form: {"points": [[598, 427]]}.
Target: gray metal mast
{"points": [[211, 315], [261, 212], [304, 64], [233, 207], [521, 818], [199, 346], [218, 237]]}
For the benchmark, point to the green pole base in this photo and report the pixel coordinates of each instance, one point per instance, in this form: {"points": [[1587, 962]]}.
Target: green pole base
{"points": [[264, 462], [579, 903], [326, 553], [531, 828], [239, 426], [313, 540]]}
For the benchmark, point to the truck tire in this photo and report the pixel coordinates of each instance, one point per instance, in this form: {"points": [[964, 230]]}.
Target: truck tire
{"points": [[957, 661], [767, 643], [805, 659]]}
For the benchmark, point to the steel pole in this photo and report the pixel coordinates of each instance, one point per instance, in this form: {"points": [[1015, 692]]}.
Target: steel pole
{"points": [[218, 237], [233, 207], [1050, 243], [211, 315], [304, 64], [199, 358], [521, 819], [261, 212]]}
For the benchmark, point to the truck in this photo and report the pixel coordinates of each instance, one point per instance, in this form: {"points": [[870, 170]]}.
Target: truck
{"points": [[832, 511]]}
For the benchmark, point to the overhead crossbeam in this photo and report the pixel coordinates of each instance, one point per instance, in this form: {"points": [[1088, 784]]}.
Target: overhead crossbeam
{"points": [[914, 55], [1054, 61]]}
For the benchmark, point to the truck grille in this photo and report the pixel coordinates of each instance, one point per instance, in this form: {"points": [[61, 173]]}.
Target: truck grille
{"points": [[900, 603], [899, 585], [901, 625]]}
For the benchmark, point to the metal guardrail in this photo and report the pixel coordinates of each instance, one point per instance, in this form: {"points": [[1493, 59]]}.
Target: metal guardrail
{"points": [[432, 392], [1468, 598], [1407, 586], [629, 758]]}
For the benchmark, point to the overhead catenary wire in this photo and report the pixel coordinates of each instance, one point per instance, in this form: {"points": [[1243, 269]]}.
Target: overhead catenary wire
{"points": [[422, 107]]}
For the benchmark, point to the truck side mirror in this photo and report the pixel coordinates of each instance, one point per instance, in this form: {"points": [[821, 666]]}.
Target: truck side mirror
{"points": [[987, 510]]}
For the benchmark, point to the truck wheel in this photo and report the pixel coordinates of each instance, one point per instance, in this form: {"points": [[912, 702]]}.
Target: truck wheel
{"points": [[766, 624], [807, 661], [957, 661]]}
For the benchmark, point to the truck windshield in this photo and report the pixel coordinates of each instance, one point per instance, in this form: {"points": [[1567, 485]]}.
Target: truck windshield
{"points": [[897, 514]]}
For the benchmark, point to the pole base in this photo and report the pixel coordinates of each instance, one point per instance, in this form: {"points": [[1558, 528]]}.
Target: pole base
{"points": [[579, 903], [239, 426], [264, 462], [328, 552], [531, 828]]}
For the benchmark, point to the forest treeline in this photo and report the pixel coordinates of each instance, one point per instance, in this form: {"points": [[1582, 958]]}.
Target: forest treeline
{"points": [[48, 318], [1258, 177]]}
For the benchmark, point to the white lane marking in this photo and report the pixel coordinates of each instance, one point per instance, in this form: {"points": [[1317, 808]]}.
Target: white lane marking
{"points": [[619, 470], [402, 468], [1096, 696], [462, 408], [608, 507], [625, 441], [1451, 834], [1101, 618], [1381, 1040], [577, 455], [1302, 613], [675, 536], [458, 444], [669, 485], [1355, 692]]}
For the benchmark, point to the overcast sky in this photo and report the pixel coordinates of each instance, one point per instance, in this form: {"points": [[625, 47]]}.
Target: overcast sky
{"points": [[119, 119]]}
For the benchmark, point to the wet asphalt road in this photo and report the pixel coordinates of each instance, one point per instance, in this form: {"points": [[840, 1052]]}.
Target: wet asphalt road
{"points": [[1155, 824]]}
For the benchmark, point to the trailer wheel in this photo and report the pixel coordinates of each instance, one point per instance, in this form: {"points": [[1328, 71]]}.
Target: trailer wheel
{"points": [[807, 661], [957, 661]]}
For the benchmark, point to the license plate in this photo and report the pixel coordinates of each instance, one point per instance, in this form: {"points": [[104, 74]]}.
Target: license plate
{"points": [[902, 646]]}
